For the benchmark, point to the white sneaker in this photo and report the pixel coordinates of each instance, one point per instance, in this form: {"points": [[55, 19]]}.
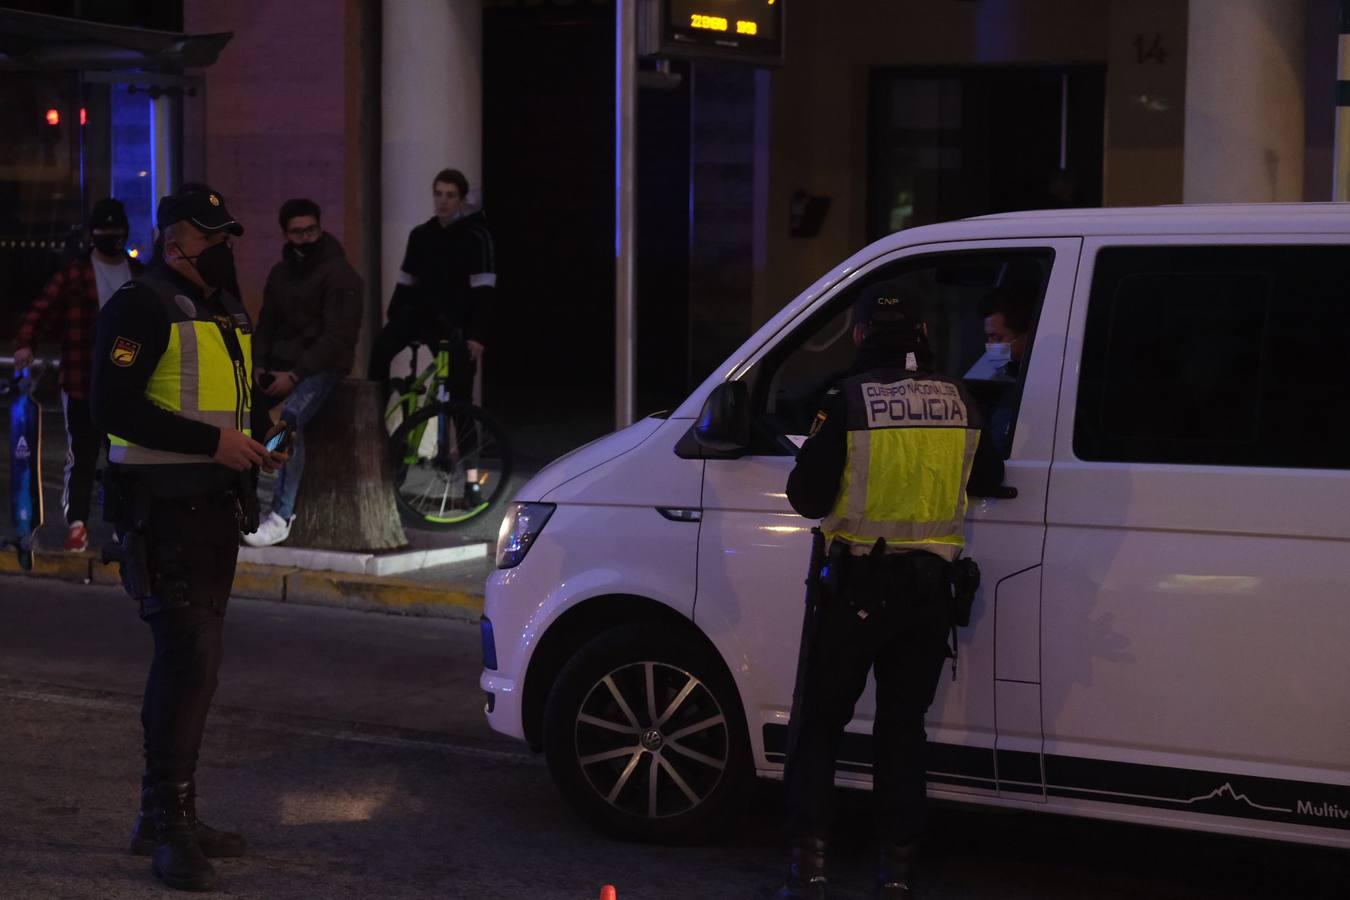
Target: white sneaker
{"points": [[273, 530]]}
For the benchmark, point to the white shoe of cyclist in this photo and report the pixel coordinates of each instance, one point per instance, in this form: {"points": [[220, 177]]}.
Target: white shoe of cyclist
{"points": [[273, 530]]}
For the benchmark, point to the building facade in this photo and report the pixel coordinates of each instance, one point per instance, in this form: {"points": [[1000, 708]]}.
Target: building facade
{"points": [[752, 181]]}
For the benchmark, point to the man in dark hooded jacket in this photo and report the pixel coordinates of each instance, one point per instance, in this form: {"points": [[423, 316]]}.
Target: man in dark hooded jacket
{"points": [[305, 342], [445, 287]]}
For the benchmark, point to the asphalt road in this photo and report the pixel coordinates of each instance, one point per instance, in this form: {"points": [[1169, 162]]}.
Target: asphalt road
{"points": [[350, 749]]}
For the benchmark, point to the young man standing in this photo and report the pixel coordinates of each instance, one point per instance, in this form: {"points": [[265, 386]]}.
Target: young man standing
{"points": [[445, 285], [70, 303], [306, 342], [445, 290]]}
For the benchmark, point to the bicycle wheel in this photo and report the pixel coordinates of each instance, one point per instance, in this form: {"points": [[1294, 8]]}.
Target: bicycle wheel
{"points": [[451, 464]]}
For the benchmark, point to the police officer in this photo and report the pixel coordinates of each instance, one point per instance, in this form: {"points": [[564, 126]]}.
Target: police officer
{"points": [[891, 455], [171, 387]]}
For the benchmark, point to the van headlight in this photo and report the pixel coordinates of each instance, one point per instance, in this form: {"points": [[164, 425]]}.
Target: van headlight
{"points": [[520, 527]]}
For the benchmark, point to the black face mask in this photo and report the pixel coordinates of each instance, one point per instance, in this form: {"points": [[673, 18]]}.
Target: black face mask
{"points": [[299, 252], [215, 265], [110, 244]]}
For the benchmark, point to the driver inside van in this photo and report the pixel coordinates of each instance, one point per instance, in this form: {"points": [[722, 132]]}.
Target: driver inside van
{"points": [[1008, 313]]}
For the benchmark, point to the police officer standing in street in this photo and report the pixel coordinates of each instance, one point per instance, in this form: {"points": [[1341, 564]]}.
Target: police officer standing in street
{"points": [[891, 456], [171, 387]]}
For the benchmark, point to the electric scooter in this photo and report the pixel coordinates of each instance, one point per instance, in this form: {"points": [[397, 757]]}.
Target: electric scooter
{"points": [[25, 469]]}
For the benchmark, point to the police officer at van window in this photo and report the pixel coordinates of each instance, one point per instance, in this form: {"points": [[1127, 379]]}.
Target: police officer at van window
{"points": [[171, 388], [890, 459]]}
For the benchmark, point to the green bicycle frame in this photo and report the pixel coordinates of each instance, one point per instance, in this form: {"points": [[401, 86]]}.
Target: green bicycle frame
{"points": [[430, 381]]}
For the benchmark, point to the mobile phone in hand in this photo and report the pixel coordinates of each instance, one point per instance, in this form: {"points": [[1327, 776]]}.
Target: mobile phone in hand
{"points": [[281, 441]]}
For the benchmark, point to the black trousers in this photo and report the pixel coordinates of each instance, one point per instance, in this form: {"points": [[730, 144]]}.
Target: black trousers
{"points": [[192, 554], [82, 444], [406, 325], [905, 643]]}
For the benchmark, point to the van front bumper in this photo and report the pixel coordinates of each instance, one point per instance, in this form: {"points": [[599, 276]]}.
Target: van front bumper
{"points": [[502, 704]]}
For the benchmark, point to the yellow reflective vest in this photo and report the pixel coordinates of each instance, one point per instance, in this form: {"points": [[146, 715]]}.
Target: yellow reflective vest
{"points": [[911, 445], [204, 374]]}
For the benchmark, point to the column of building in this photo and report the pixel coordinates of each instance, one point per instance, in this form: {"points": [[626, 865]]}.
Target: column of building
{"points": [[1245, 84]]}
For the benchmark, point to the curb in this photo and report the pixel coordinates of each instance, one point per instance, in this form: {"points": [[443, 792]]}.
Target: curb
{"points": [[283, 585]]}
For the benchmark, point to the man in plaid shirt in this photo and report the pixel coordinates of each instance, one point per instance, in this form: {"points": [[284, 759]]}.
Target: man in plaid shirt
{"points": [[70, 303]]}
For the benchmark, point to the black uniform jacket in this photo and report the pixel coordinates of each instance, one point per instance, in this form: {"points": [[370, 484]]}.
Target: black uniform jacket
{"points": [[134, 317], [813, 486]]}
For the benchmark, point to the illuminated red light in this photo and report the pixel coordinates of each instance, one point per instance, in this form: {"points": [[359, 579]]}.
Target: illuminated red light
{"points": [[53, 117], [84, 116]]}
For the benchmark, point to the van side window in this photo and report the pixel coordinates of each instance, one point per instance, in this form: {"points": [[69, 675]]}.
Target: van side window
{"points": [[971, 298], [1232, 356]]}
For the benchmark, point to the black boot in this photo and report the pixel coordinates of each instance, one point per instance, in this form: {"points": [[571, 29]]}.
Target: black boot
{"points": [[215, 844], [178, 858], [895, 874], [806, 873]]}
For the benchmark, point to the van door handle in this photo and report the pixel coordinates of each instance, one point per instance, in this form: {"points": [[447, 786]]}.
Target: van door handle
{"points": [[674, 514]]}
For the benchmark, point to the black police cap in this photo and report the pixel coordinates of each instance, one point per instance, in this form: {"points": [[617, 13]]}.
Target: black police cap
{"points": [[888, 304], [203, 207]]}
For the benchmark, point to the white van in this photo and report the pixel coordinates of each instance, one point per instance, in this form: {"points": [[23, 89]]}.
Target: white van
{"points": [[1163, 631]]}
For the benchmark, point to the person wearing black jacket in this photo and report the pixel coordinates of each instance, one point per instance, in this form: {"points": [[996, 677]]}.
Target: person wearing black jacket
{"points": [[445, 288], [171, 388], [892, 454], [305, 345]]}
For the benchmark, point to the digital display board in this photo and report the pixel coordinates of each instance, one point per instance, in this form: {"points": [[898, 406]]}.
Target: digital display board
{"points": [[748, 31]]}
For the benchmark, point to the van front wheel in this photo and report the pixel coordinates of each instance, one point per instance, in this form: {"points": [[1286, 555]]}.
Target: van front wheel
{"points": [[645, 737]]}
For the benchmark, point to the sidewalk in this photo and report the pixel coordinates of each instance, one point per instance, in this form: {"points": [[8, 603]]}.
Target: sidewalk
{"points": [[452, 591]]}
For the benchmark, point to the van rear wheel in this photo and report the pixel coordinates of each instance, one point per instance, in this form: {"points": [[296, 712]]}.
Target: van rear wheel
{"points": [[645, 737]]}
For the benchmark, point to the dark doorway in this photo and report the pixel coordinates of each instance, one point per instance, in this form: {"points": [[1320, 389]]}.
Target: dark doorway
{"points": [[549, 188], [548, 172], [951, 143]]}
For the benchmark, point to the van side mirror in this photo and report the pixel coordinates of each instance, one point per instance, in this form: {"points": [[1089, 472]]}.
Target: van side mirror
{"points": [[724, 424]]}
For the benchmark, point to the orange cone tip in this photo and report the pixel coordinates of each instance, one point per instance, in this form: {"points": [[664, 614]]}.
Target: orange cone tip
{"points": [[608, 893]]}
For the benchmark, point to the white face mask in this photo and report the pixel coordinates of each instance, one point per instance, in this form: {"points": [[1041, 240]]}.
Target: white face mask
{"points": [[998, 352]]}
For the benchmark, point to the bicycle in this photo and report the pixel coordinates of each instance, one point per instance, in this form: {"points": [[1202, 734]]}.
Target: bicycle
{"points": [[451, 459]]}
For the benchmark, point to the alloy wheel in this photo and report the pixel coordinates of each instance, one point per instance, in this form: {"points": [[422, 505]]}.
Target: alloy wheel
{"points": [[652, 740]]}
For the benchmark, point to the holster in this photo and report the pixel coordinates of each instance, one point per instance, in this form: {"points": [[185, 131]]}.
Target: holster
{"points": [[247, 509], [126, 504], [965, 581]]}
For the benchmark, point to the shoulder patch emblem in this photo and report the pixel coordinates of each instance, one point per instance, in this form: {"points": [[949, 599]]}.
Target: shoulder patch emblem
{"points": [[124, 352], [816, 423]]}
